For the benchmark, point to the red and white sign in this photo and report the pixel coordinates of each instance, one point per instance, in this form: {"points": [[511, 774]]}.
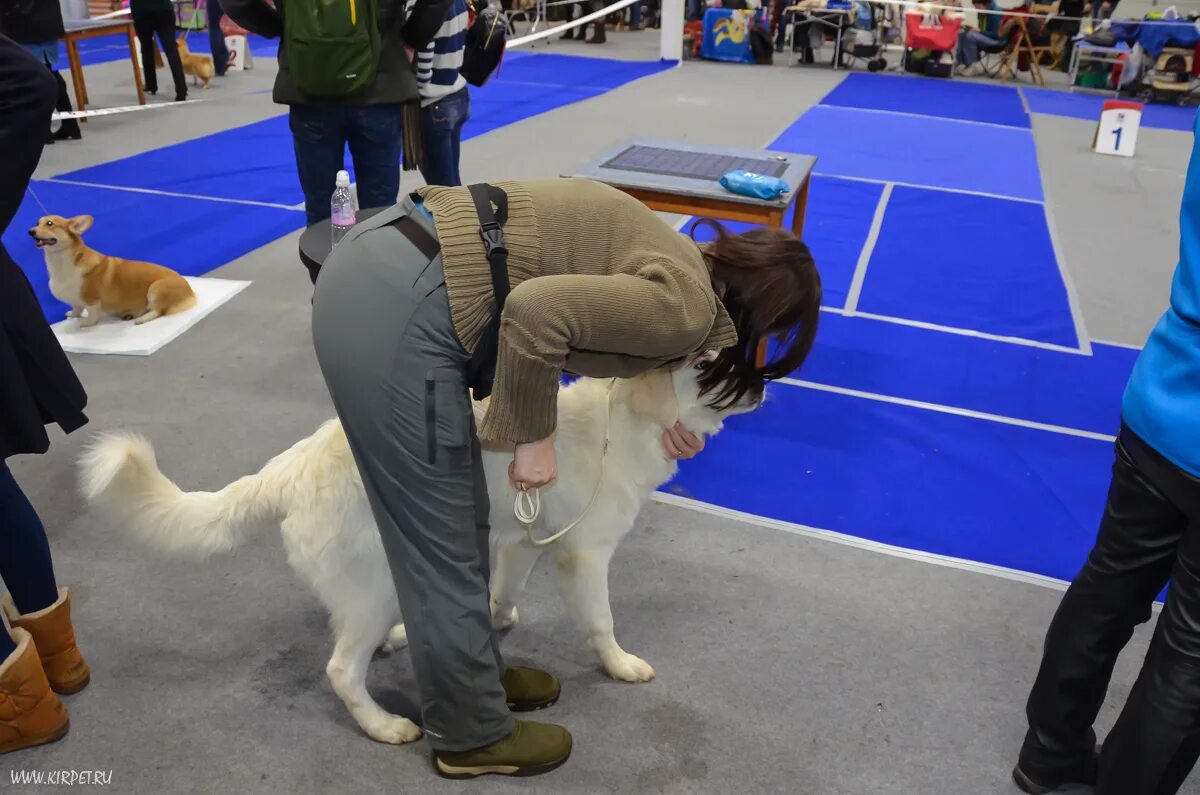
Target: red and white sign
{"points": [[1117, 130]]}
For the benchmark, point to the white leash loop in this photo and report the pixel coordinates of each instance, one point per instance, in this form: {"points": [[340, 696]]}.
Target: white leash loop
{"points": [[529, 502]]}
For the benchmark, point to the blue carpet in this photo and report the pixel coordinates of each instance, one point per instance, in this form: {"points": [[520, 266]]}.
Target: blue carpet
{"points": [[997, 494], [102, 49], [836, 225], [920, 151], [1023, 382], [191, 236], [255, 162], [1085, 106], [948, 99], [969, 262]]}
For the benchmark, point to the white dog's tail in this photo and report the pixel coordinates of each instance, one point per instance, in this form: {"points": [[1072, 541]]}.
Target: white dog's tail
{"points": [[120, 477]]}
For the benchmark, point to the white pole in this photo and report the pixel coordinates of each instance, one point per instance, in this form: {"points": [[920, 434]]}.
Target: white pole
{"points": [[671, 33]]}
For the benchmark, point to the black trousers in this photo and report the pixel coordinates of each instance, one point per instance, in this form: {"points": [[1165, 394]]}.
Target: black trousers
{"points": [[161, 23], [1149, 536]]}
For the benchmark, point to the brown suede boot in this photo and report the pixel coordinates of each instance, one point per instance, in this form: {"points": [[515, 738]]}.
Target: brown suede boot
{"points": [[30, 713], [54, 637]]}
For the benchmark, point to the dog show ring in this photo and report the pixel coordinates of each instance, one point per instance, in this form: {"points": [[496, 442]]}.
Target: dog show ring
{"points": [[677, 177]]}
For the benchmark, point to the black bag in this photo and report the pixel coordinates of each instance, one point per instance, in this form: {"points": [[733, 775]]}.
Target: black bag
{"points": [[484, 50]]}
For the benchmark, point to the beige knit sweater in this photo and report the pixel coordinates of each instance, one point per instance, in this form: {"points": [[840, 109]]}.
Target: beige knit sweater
{"points": [[601, 287]]}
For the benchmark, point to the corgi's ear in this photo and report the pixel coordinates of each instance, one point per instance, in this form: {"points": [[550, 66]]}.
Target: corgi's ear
{"points": [[80, 224], [652, 395]]}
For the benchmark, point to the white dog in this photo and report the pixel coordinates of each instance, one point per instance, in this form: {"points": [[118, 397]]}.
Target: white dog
{"points": [[314, 493]]}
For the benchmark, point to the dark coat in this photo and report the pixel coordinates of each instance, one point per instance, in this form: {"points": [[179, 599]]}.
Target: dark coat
{"points": [[31, 21], [37, 384], [395, 81]]}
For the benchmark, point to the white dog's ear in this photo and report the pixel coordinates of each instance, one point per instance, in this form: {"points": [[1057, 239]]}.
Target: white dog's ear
{"points": [[652, 395], [80, 224]]}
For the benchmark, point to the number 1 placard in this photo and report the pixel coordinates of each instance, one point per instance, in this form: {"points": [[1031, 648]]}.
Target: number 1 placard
{"points": [[1116, 132]]}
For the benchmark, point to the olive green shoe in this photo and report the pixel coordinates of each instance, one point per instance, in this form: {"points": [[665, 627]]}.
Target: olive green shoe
{"points": [[530, 749], [528, 689]]}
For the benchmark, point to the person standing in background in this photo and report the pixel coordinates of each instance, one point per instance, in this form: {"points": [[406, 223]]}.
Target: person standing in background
{"points": [[157, 17], [216, 38], [369, 120], [37, 25], [39, 656], [445, 100], [1149, 539]]}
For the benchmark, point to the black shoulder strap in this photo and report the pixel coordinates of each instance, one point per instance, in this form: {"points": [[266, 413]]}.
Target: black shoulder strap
{"points": [[490, 223], [482, 367]]}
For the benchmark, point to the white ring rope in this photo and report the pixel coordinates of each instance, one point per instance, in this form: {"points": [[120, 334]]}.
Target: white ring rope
{"points": [[529, 501]]}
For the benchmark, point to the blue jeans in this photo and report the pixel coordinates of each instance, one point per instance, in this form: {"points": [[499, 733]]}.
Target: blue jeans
{"points": [[25, 564], [969, 42], [320, 135], [441, 133], [216, 39]]}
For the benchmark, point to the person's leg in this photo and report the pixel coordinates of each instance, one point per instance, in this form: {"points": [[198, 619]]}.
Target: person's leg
{"points": [[374, 135], [441, 131], [635, 16], [1156, 739], [25, 563], [407, 416], [968, 47], [320, 143], [216, 39], [165, 28], [144, 28], [1126, 569]]}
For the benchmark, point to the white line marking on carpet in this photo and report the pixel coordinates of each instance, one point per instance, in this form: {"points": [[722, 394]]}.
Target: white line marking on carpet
{"points": [[963, 191], [1085, 342], [966, 332], [926, 116], [860, 543], [864, 256], [955, 410], [127, 189]]}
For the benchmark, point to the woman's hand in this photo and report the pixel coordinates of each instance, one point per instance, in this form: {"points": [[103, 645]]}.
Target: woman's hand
{"points": [[534, 465], [679, 442]]}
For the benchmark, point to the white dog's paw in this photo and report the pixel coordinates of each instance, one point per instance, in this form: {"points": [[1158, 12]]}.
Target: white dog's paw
{"points": [[393, 730], [397, 639], [74, 313], [628, 668], [503, 617]]}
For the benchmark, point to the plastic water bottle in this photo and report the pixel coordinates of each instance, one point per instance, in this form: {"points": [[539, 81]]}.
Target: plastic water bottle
{"points": [[341, 208]]}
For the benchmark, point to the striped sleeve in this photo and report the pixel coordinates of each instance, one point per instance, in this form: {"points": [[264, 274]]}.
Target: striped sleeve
{"points": [[438, 64]]}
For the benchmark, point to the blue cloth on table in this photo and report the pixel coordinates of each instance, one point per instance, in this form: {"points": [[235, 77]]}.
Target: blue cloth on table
{"points": [[1162, 34]]}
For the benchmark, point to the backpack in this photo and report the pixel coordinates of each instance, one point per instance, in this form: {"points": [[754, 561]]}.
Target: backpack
{"points": [[487, 36], [333, 46]]}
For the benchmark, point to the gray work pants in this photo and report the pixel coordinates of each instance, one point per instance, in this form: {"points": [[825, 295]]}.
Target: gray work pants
{"points": [[395, 369]]}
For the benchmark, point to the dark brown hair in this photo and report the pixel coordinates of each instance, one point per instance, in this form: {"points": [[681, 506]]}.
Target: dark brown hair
{"points": [[772, 291]]}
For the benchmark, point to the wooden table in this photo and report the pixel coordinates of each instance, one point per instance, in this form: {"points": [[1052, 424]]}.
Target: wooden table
{"points": [[77, 30], [677, 177]]}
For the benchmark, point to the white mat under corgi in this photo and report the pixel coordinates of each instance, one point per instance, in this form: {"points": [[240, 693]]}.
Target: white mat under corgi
{"points": [[122, 337]]}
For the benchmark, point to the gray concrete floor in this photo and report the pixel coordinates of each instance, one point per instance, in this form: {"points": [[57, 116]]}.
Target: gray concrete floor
{"points": [[786, 664]]}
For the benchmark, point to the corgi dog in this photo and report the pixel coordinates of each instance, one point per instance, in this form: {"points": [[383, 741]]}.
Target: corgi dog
{"points": [[199, 67], [103, 285]]}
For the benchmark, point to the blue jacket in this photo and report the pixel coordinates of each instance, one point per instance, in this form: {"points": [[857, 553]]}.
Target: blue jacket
{"points": [[1162, 400]]}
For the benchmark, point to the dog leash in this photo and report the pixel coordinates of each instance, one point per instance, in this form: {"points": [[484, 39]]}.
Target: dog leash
{"points": [[36, 198], [529, 501]]}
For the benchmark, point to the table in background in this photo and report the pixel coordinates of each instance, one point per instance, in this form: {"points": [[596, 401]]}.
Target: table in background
{"points": [[1094, 53], [839, 20], [78, 30], [676, 177]]}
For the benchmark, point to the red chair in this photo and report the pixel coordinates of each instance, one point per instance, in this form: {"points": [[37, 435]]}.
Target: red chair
{"points": [[935, 32]]}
